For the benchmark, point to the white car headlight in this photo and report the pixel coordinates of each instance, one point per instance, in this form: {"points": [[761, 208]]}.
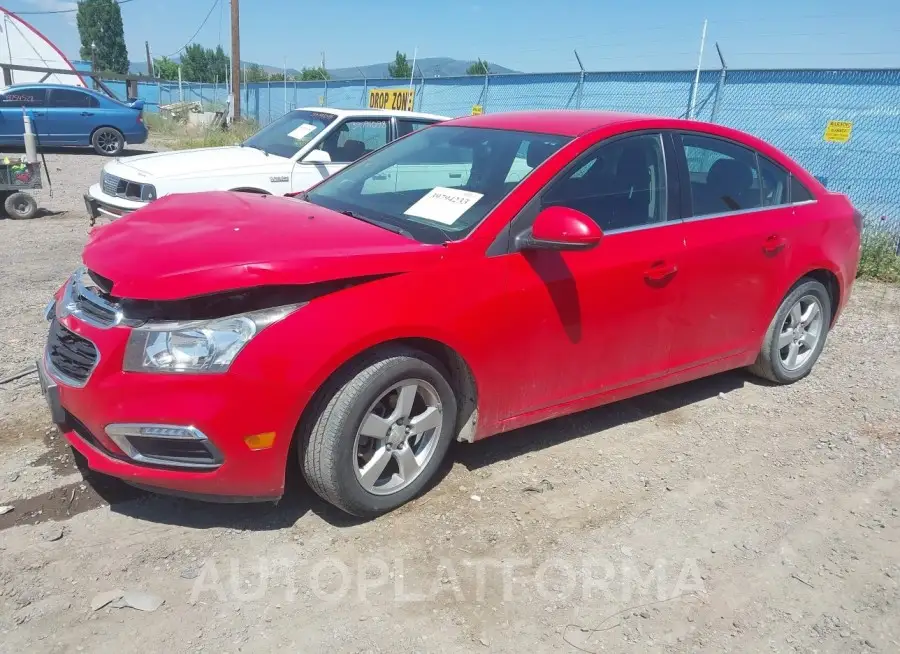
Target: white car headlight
{"points": [[196, 346]]}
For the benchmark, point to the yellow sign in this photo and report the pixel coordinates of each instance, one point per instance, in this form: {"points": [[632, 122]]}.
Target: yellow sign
{"points": [[477, 110], [838, 131], [395, 99]]}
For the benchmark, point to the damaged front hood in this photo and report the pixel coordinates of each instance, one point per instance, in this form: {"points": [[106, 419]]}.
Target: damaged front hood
{"points": [[183, 246]]}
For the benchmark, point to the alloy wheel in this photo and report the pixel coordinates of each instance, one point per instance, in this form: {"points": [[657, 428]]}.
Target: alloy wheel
{"points": [[800, 332], [397, 437]]}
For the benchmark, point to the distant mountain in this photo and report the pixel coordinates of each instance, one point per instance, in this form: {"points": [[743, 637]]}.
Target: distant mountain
{"points": [[429, 67]]}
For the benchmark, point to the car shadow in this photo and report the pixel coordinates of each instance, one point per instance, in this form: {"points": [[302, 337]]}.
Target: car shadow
{"points": [[519, 442], [299, 499], [41, 213]]}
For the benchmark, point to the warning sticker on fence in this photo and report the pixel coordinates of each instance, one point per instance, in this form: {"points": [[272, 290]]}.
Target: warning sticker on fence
{"points": [[838, 131], [477, 110], [443, 205]]}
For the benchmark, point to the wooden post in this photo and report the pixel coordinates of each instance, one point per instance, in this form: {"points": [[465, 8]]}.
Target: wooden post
{"points": [[236, 58]]}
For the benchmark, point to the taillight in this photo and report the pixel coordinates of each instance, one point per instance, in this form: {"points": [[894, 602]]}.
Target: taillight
{"points": [[140, 116]]}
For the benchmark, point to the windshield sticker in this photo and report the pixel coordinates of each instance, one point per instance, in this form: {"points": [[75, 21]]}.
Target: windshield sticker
{"points": [[302, 131], [443, 205]]}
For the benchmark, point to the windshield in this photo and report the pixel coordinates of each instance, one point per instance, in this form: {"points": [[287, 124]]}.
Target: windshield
{"points": [[437, 183], [291, 132]]}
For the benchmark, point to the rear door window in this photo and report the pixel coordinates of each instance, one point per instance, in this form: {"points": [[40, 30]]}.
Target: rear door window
{"points": [[72, 98], [723, 175]]}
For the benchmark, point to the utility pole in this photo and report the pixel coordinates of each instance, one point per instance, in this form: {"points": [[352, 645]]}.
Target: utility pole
{"points": [[149, 59], [236, 59]]}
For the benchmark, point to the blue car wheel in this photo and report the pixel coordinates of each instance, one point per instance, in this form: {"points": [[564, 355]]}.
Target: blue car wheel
{"points": [[108, 141]]}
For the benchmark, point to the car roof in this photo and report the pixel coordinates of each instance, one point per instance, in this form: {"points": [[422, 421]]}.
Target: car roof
{"points": [[26, 85], [563, 122], [373, 113]]}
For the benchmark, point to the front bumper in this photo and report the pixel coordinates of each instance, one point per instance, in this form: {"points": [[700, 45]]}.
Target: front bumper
{"points": [[227, 408], [101, 205]]}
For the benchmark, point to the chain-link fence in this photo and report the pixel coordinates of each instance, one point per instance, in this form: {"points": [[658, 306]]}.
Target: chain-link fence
{"points": [[788, 108]]}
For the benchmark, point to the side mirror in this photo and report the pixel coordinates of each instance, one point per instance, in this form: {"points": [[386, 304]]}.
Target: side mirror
{"points": [[317, 156], [561, 228]]}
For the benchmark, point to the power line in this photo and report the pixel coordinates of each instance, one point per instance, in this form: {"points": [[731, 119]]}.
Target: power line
{"points": [[194, 35], [57, 11]]}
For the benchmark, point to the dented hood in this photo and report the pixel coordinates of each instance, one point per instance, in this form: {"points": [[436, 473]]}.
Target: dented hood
{"points": [[183, 246]]}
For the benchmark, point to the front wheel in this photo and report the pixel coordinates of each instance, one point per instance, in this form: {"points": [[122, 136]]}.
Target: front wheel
{"points": [[796, 335], [379, 434], [108, 142]]}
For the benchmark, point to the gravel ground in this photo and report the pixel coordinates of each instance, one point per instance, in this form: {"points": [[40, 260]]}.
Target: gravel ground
{"points": [[724, 514]]}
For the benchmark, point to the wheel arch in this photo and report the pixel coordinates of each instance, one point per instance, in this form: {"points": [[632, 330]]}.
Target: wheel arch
{"points": [[832, 283], [462, 381], [99, 127]]}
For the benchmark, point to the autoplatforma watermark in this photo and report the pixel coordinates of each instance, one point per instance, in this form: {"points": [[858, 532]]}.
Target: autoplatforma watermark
{"points": [[333, 579]]}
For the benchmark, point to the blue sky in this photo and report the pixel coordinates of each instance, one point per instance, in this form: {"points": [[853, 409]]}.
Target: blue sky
{"points": [[523, 34]]}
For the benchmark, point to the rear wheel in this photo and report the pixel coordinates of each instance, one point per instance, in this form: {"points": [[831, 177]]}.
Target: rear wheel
{"points": [[796, 335], [108, 141], [379, 434]]}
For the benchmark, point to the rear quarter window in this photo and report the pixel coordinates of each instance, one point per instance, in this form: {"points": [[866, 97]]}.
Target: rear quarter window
{"points": [[799, 193]]}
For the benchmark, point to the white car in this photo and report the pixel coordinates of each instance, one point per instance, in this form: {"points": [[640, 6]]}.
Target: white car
{"points": [[289, 155]]}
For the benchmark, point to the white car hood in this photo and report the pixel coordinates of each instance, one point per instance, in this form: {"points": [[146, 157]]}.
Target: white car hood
{"points": [[192, 163]]}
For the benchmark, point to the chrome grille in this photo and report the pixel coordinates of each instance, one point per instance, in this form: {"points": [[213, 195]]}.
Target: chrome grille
{"points": [[121, 188], [86, 299], [110, 184], [70, 356]]}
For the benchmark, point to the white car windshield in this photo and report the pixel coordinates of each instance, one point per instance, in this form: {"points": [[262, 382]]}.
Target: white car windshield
{"points": [[437, 184], [291, 132]]}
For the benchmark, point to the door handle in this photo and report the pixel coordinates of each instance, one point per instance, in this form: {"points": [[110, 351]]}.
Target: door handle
{"points": [[384, 176], [774, 244], [660, 272], [87, 113], [455, 175]]}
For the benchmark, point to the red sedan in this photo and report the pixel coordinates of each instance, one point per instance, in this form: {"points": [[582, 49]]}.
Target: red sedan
{"points": [[471, 278]]}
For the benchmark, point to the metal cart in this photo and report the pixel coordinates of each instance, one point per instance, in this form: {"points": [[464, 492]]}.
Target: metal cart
{"points": [[17, 176]]}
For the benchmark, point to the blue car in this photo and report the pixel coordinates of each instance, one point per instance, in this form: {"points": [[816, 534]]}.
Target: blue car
{"points": [[70, 116]]}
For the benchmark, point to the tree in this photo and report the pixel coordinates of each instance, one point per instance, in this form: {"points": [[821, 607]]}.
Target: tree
{"points": [[478, 68], [195, 63], [255, 73], [219, 64], [316, 73], [199, 64], [400, 68], [102, 34], [165, 68]]}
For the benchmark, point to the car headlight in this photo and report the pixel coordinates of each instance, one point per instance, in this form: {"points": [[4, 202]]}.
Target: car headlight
{"points": [[196, 346], [148, 193]]}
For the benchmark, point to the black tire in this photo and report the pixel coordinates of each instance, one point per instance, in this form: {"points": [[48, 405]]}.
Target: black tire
{"points": [[108, 142], [769, 364], [20, 206], [328, 456]]}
